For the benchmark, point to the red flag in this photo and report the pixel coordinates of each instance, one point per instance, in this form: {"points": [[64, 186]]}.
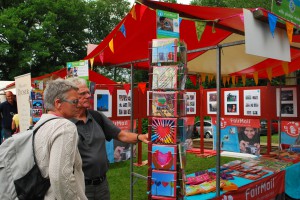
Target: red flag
{"points": [[127, 87], [111, 89], [142, 10], [193, 79], [142, 87]]}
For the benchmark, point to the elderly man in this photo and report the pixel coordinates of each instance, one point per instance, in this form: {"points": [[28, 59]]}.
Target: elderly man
{"points": [[7, 109], [56, 150], [92, 143]]}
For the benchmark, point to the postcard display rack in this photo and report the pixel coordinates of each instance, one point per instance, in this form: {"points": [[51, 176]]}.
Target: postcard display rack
{"points": [[167, 130]]}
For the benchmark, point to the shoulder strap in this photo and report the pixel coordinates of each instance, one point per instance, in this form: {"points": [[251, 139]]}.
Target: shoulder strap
{"points": [[97, 116], [34, 132]]}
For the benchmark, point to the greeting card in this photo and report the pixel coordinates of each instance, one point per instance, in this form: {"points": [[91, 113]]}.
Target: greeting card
{"points": [[164, 104], [164, 50], [164, 77], [164, 157], [164, 130], [163, 183]]}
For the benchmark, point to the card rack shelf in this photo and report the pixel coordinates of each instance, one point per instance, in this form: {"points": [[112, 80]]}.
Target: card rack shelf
{"points": [[166, 125]]}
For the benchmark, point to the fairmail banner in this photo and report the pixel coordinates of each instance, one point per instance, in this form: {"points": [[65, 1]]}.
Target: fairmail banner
{"points": [[270, 187]]}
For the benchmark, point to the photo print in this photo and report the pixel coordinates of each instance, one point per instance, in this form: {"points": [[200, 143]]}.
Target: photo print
{"points": [[103, 102], [252, 104], [123, 103], [212, 102], [286, 100], [231, 102], [190, 102]]}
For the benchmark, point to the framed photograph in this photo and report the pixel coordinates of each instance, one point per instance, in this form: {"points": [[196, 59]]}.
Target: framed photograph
{"points": [[123, 103], [286, 100], [190, 102], [212, 102], [252, 104], [103, 102], [231, 102]]}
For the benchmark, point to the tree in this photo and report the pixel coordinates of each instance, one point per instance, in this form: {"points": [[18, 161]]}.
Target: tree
{"points": [[234, 3]]}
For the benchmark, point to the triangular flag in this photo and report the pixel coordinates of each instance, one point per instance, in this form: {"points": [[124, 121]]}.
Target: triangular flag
{"points": [[233, 80], [285, 67], [224, 80], [228, 79], [127, 87], [213, 30], [244, 79], [133, 13], [92, 62], [236, 80], [142, 87], [269, 72], [289, 30], [200, 26], [101, 55], [255, 76], [123, 30], [111, 45], [111, 89], [272, 22], [203, 77], [180, 19], [142, 11], [193, 79], [210, 77], [241, 17]]}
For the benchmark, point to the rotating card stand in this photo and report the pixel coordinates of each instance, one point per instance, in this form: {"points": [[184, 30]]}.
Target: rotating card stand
{"points": [[166, 124]]}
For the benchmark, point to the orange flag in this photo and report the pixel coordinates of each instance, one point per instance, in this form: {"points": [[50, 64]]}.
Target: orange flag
{"points": [[127, 87], [289, 30], [203, 76], [228, 79], [269, 72], [111, 45], [92, 62], [255, 76], [285, 67], [244, 79], [224, 80], [233, 80], [133, 13], [142, 87]]}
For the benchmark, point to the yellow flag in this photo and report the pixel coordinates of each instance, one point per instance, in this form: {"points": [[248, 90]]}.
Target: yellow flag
{"points": [[285, 67], [200, 26], [92, 62], [289, 30], [133, 13], [255, 76], [111, 45], [236, 80], [228, 79], [269, 72], [203, 76], [224, 80], [244, 79], [233, 80]]}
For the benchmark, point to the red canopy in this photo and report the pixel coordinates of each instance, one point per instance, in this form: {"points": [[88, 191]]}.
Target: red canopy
{"points": [[223, 25]]}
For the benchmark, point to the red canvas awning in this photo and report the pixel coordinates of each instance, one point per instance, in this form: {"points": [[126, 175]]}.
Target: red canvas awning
{"points": [[224, 25]]}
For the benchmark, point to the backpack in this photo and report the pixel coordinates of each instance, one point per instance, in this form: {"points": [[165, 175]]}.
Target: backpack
{"points": [[17, 159]]}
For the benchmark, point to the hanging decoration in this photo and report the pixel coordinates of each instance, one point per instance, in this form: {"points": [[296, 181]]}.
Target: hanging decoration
{"points": [[269, 73], [142, 11], [285, 67], [101, 56], [127, 87], [92, 62], [111, 89], [200, 27], [255, 76], [203, 77], [193, 79], [111, 45], [142, 87], [228, 80], [123, 30], [272, 23], [233, 80], [244, 79], [133, 13], [289, 30], [224, 80]]}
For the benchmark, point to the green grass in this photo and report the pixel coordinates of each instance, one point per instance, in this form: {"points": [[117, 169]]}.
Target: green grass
{"points": [[119, 175], [275, 138]]}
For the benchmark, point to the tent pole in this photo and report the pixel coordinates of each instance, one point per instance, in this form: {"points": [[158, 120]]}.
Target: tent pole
{"points": [[131, 126], [218, 83]]}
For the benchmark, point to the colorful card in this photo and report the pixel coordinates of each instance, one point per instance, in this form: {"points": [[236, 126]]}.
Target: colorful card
{"points": [[163, 183], [164, 50], [37, 104], [164, 157], [164, 77], [164, 104], [164, 130]]}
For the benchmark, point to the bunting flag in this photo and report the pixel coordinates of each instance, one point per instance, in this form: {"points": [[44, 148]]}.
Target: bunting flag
{"points": [[285, 67], [244, 79], [255, 76], [133, 13], [200, 26], [111, 45], [127, 87], [241, 16], [92, 62], [111, 89], [101, 55], [180, 19], [228, 80], [289, 30], [269, 73], [210, 77], [272, 23], [203, 76], [193, 79], [224, 80], [123, 30], [213, 30], [233, 80], [142, 11], [142, 87]]}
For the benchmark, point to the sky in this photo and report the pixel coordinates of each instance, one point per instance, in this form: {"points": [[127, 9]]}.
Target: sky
{"points": [[178, 1]]}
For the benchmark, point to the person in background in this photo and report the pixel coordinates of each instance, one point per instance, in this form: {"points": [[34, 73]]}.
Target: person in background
{"points": [[91, 144], [7, 109], [56, 150], [15, 124], [249, 141]]}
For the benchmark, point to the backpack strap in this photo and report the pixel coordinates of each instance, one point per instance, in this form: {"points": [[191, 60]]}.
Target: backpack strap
{"points": [[35, 129], [97, 116]]}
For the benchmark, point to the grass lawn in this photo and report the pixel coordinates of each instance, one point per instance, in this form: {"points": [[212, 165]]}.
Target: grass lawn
{"points": [[119, 175], [275, 138]]}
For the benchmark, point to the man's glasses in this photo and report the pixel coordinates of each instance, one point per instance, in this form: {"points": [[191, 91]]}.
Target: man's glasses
{"points": [[74, 101]]}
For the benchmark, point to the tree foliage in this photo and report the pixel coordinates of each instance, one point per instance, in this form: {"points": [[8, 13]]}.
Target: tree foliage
{"points": [[234, 3]]}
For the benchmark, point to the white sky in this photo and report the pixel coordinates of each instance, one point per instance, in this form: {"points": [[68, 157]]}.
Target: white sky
{"points": [[178, 1]]}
